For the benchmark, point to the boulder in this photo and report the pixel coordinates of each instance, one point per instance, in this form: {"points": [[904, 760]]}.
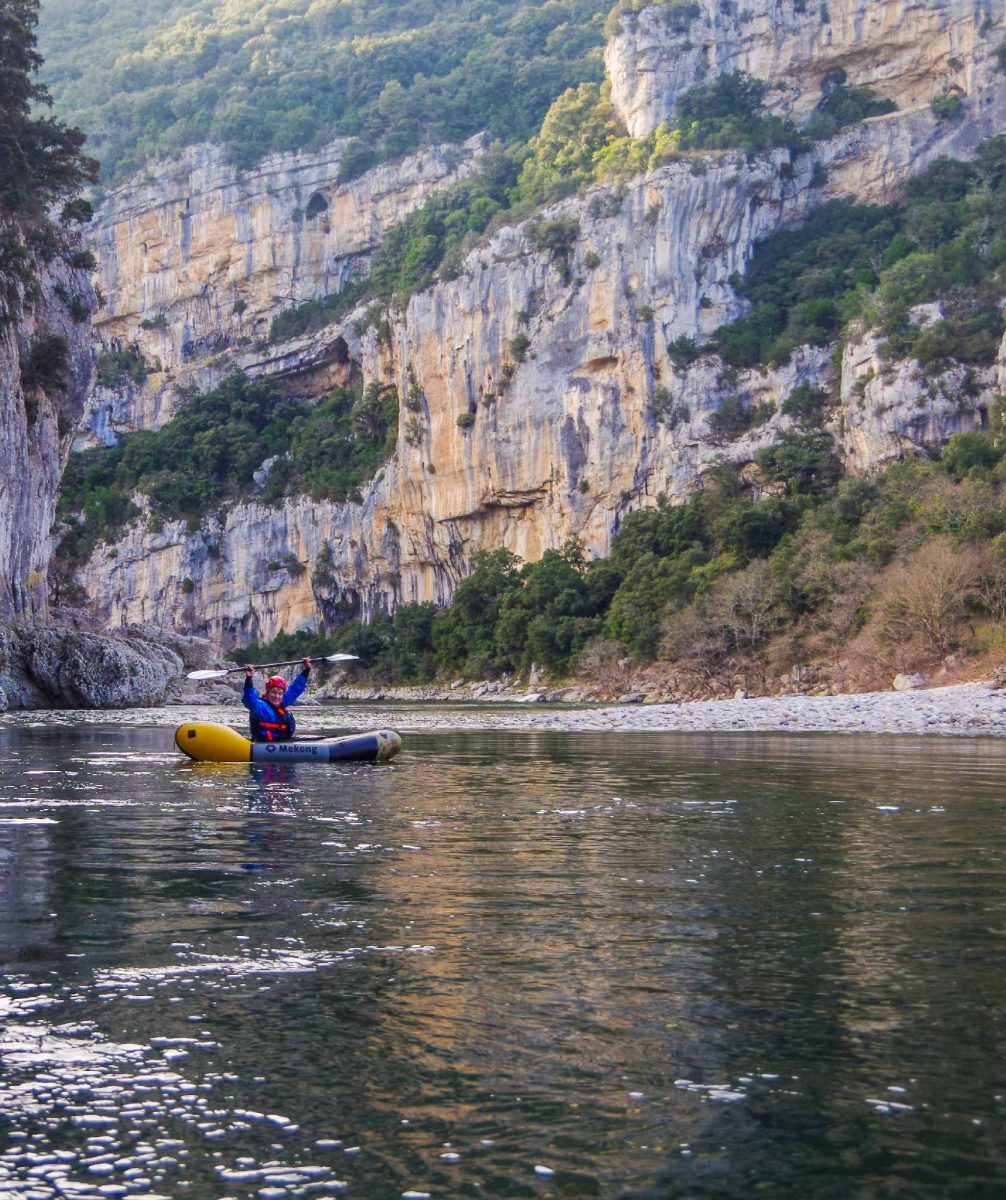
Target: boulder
{"points": [[71, 666], [84, 670], [907, 683]]}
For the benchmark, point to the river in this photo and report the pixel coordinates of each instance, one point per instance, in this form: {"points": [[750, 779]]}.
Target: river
{"points": [[509, 964]]}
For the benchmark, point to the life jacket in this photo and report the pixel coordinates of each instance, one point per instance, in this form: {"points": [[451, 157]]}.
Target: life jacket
{"points": [[280, 730]]}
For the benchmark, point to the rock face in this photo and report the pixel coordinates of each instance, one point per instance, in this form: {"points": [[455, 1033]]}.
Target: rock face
{"points": [[909, 51], [889, 410], [80, 670], [40, 337], [196, 258], [561, 434]]}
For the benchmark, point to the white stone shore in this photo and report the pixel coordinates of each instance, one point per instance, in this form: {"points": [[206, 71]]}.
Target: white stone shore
{"points": [[970, 709]]}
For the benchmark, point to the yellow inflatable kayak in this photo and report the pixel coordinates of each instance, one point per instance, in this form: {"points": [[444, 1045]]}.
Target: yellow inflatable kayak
{"points": [[207, 742]]}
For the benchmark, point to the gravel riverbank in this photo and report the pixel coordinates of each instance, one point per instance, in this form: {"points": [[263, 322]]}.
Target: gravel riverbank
{"points": [[971, 708], [961, 710]]}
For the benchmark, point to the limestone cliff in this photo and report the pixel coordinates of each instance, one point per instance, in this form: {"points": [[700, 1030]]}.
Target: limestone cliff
{"points": [[909, 51], [559, 438], [195, 258], [45, 369]]}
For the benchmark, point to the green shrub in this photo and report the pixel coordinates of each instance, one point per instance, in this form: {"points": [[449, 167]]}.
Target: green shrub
{"points": [[661, 407], [115, 367], [47, 364], [734, 418], [845, 106], [969, 453], [555, 237], [433, 239], [948, 106], [562, 154], [76, 212], [683, 351], [806, 404], [805, 460], [313, 314], [727, 114], [799, 282]]}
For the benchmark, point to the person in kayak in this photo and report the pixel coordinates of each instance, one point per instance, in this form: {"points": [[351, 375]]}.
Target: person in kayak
{"points": [[269, 714]]}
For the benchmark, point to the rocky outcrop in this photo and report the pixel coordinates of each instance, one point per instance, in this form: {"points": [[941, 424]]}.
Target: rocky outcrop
{"points": [[893, 409], [196, 257], [909, 51], [67, 665], [46, 659], [572, 411]]}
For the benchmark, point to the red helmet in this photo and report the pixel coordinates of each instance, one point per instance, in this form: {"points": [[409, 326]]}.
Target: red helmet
{"points": [[275, 681]]}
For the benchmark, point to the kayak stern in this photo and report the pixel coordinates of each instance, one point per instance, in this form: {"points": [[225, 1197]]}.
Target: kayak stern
{"points": [[206, 741]]}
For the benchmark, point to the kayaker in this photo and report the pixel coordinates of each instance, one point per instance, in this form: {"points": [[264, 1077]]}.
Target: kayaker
{"points": [[269, 714]]}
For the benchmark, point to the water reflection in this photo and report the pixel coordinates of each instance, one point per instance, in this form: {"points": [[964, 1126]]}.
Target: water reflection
{"points": [[520, 964], [273, 794]]}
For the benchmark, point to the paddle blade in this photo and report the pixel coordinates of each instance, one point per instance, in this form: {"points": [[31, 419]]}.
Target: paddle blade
{"points": [[341, 658], [205, 674]]}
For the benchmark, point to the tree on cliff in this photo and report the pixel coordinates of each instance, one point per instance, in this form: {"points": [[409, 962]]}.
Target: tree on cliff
{"points": [[41, 160]]}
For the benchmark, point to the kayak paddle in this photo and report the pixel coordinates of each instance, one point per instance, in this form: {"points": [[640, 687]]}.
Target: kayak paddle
{"points": [[329, 658]]}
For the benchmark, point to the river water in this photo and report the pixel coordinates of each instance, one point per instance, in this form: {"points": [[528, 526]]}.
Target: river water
{"points": [[508, 964]]}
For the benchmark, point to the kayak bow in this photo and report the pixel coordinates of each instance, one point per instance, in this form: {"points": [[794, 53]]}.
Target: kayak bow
{"points": [[206, 741]]}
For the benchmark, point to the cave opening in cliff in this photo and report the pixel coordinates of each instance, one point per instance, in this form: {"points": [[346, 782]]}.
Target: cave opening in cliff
{"points": [[316, 206]]}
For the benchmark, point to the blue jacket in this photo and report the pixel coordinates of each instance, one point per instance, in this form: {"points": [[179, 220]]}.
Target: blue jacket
{"points": [[270, 724]]}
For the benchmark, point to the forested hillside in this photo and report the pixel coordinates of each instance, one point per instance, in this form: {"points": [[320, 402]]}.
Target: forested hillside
{"points": [[145, 78]]}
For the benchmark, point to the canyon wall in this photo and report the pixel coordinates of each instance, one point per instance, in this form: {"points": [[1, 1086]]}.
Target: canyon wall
{"points": [[45, 369], [559, 436], [53, 658]]}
